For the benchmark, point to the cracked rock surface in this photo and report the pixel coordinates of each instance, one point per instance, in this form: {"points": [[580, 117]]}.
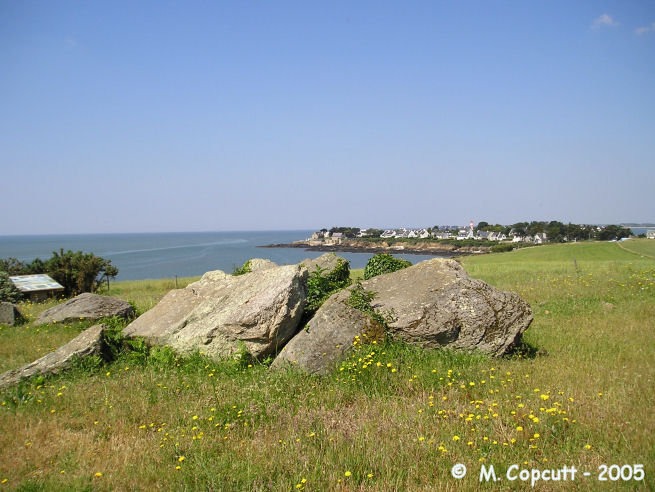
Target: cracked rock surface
{"points": [[432, 304], [436, 304], [260, 309]]}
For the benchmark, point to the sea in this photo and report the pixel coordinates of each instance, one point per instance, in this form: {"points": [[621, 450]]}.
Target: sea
{"points": [[141, 256]]}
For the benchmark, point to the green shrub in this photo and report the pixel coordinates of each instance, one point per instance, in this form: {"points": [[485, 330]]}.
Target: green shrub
{"points": [[77, 272], [361, 298], [162, 356], [384, 263], [502, 248], [322, 285], [242, 269], [8, 291], [87, 365]]}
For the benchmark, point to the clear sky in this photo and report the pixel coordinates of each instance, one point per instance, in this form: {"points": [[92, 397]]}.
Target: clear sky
{"points": [[181, 116]]}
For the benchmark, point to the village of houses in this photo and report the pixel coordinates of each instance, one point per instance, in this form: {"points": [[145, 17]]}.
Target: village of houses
{"points": [[326, 238]]}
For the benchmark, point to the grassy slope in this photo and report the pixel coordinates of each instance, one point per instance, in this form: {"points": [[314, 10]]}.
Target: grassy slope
{"points": [[405, 422], [645, 247]]}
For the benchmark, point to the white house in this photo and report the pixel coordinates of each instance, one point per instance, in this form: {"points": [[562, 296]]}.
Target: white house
{"points": [[465, 234], [496, 236], [540, 238], [388, 234]]}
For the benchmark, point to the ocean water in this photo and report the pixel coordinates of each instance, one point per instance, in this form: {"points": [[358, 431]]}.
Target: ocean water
{"points": [[185, 254]]}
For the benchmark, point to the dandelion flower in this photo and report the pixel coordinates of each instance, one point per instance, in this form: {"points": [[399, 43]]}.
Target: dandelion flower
{"points": [[347, 474]]}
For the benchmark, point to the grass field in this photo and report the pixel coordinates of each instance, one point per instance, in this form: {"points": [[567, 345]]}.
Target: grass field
{"points": [[391, 417], [645, 247]]}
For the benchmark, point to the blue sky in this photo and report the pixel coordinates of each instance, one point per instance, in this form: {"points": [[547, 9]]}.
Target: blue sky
{"points": [[181, 116]]}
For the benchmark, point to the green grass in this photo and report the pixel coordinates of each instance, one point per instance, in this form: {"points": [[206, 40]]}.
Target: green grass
{"points": [[357, 274], [398, 413], [645, 247], [144, 294]]}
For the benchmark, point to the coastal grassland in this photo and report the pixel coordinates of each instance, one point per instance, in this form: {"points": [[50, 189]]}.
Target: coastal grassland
{"points": [[28, 341], [357, 274], [641, 246], [390, 417], [144, 294]]}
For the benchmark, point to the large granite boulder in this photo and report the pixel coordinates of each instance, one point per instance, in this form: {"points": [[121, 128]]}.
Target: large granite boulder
{"points": [[432, 304], [330, 333], [262, 309], [86, 306], [9, 313], [259, 264], [89, 342], [327, 262]]}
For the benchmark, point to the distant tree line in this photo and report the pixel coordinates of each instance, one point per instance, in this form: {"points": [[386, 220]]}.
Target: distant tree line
{"points": [[558, 231], [77, 272], [346, 231]]}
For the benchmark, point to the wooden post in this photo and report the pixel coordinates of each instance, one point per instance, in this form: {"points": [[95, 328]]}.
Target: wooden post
{"points": [[575, 264], [176, 281]]}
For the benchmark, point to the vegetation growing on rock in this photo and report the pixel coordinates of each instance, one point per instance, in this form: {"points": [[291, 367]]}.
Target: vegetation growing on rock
{"points": [[321, 284], [384, 263], [242, 270], [361, 298]]}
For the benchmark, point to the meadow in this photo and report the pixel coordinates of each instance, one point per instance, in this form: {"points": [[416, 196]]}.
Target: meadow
{"points": [[580, 392]]}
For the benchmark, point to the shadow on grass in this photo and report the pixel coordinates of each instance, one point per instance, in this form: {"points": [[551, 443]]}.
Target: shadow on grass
{"points": [[526, 350]]}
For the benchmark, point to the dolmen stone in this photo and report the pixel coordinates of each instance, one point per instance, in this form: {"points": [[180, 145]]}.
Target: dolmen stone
{"points": [[9, 313], [259, 264], [327, 262], [432, 304], [327, 336], [89, 342], [86, 306], [218, 313]]}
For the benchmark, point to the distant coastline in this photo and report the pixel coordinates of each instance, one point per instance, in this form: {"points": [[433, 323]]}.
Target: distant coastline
{"points": [[429, 248]]}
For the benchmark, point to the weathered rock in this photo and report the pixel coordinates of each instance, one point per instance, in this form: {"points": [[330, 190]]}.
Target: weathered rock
{"points": [[86, 306], [436, 304], [331, 332], [89, 342], [9, 313], [326, 262], [258, 264], [432, 304], [261, 309]]}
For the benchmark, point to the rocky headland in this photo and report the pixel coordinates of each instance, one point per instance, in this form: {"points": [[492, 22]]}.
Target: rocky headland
{"points": [[432, 248]]}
